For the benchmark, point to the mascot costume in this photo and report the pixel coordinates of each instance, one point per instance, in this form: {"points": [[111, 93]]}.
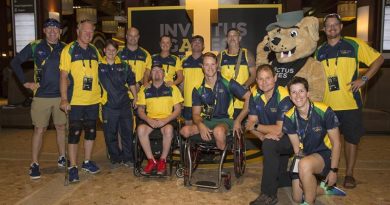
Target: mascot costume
{"points": [[293, 39]]}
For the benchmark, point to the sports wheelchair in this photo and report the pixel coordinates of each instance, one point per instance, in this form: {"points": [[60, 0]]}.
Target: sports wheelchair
{"points": [[195, 146], [156, 138]]}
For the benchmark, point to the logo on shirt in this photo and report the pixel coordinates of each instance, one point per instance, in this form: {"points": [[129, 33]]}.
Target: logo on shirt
{"points": [[345, 52], [220, 90], [273, 109], [317, 129]]}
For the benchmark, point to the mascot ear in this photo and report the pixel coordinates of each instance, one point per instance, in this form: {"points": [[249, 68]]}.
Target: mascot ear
{"points": [[311, 24], [262, 51]]}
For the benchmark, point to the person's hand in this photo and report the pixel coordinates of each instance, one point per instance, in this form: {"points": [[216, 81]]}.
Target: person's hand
{"points": [[31, 86], [249, 126], [204, 132], [356, 85], [153, 123], [162, 122], [135, 103], [169, 83], [331, 179], [272, 136], [147, 85], [237, 129], [65, 106]]}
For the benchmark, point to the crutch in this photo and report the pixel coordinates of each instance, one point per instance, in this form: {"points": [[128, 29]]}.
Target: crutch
{"points": [[66, 182]]}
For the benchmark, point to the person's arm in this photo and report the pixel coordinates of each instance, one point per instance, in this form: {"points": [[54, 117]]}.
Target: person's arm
{"points": [[24, 55], [250, 126], [133, 90], [142, 115], [252, 70], [179, 77], [294, 142], [64, 105], [334, 136], [132, 85], [176, 112], [371, 71], [146, 77]]}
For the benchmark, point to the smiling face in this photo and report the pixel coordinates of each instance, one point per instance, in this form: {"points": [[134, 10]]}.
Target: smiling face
{"points": [[299, 95], [332, 28], [265, 80], [165, 44], [52, 34], [85, 32], [209, 66], [233, 38], [197, 45], [110, 52], [132, 37]]}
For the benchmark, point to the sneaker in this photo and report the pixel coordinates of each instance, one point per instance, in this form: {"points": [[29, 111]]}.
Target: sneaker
{"points": [[332, 190], [91, 167], [161, 166], [152, 164], [61, 162], [34, 171], [264, 199], [73, 174], [128, 164]]}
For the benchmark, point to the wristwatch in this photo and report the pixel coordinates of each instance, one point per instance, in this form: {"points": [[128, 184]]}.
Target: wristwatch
{"points": [[335, 170], [256, 125], [364, 78]]}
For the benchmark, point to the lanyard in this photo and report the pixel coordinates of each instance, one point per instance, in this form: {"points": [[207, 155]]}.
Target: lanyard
{"points": [[302, 136], [337, 54], [215, 93]]}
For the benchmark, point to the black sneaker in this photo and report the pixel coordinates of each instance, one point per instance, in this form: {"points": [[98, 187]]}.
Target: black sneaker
{"points": [[264, 199], [73, 174], [34, 171], [61, 162]]}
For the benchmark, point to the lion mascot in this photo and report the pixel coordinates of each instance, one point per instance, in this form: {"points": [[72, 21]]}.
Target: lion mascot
{"points": [[293, 39]]}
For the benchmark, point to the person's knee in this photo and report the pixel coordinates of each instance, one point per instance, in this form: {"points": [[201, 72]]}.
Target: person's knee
{"points": [[90, 129], [268, 146], [297, 199], [219, 132], [60, 127], [141, 130], [305, 168], [167, 130], [40, 130], [185, 131], [75, 128]]}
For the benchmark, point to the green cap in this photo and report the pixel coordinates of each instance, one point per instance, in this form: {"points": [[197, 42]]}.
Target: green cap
{"points": [[286, 20]]}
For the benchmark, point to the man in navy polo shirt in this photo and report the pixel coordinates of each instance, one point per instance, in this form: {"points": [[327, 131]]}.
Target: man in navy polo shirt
{"points": [[267, 106], [212, 105], [46, 55]]}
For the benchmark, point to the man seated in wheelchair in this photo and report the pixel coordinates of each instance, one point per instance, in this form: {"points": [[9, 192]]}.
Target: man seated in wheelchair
{"points": [[212, 105], [158, 107]]}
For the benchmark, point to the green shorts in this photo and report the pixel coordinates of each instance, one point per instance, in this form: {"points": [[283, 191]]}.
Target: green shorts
{"points": [[214, 122]]}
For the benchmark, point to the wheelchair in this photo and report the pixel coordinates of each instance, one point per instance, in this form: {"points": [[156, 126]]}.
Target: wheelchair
{"points": [[195, 146], [156, 138]]}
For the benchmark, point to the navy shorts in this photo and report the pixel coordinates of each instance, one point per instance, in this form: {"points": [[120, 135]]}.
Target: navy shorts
{"points": [[84, 112], [351, 125], [187, 113]]}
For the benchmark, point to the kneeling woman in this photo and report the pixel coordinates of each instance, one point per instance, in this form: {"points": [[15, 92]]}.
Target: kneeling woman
{"points": [[117, 79], [313, 131]]}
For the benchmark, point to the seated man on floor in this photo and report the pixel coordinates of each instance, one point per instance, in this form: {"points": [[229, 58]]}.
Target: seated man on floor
{"points": [[212, 105], [158, 107]]}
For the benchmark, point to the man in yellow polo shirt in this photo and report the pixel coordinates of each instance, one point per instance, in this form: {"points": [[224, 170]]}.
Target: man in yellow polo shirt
{"points": [[227, 60], [340, 57], [79, 67], [158, 107], [193, 74]]}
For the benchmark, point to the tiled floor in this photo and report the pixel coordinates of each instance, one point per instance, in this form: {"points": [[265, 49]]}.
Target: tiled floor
{"points": [[119, 186]]}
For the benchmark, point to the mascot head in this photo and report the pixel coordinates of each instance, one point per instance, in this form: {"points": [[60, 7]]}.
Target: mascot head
{"points": [[291, 37]]}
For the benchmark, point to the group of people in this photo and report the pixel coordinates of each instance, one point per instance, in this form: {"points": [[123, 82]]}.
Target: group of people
{"points": [[220, 92]]}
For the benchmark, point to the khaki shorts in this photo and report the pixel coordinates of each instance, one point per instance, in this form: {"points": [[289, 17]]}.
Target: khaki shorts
{"points": [[43, 108]]}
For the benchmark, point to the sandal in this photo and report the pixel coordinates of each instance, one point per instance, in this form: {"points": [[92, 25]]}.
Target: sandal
{"points": [[349, 182]]}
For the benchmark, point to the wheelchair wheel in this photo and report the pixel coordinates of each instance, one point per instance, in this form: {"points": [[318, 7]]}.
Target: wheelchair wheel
{"points": [[227, 181], [137, 171], [239, 156], [186, 163], [138, 158], [180, 172]]}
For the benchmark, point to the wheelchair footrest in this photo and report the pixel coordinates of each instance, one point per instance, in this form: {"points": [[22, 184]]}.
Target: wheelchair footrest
{"points": [[206, 183]]}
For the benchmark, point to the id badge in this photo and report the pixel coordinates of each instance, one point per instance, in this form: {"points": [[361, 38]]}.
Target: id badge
{"points": [[333, 82], [87, 83]]}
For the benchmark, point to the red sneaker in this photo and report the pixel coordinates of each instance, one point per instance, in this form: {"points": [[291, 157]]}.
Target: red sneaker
{"points": [[161, 166], [150, 166]]}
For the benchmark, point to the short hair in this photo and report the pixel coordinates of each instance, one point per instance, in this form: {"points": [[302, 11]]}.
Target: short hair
{"points": [[166, 36], [197, 37], [265, 67], [85, 21], [211, 55], [332, 15], [233, 29], [111, 42], [298, 80]]}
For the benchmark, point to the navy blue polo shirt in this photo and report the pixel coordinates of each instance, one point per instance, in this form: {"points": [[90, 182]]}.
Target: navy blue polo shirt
{"points": [[46, 58], [315, 129], [221, 96], [115, 80], [268, 112]]}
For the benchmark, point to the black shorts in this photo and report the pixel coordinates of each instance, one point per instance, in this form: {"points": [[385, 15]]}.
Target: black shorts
{"points": [[326, 156], [351, 125], [84, 112]]}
